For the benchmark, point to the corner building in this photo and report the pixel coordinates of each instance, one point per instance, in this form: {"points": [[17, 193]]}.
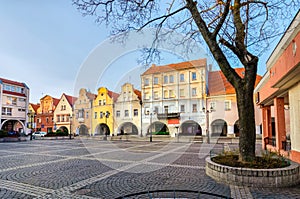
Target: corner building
{"points": [[173, 96], [278, 95], [14, 105]]}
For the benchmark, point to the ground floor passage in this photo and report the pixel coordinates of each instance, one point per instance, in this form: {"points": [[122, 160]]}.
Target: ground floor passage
{"points": [[89, 168], [218, 127]]}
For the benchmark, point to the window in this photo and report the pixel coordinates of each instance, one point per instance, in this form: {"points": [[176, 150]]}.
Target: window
{"points": [[118, 113], [166, 94], [181, 77], [104, 102], [126, 113], [135, 112], [100, 102], [182, 108], [156, 96], [181, 91], [58, 118], [165, 79], [11, 101], [87, 115], [194, 76], [21, 109], [194, 91], [171, 94], [147, 96], [95, 115], [81, 113], [155, 109], [155, 80], [171, 78], [194, 108], [6, 111], [47, 120], [22, 100], [212, 105], [227, 105], [166, 108], [63, 107], [146, 81], [101, 114]]}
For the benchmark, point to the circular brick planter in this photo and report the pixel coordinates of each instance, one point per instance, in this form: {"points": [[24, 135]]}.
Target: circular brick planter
{"points": [[281, 177]]}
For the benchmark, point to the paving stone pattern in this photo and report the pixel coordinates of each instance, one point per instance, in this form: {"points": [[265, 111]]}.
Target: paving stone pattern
{"points": [[90, 168]]}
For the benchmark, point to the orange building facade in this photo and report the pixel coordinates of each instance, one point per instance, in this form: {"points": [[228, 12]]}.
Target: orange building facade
{"points": [[278, 95]]}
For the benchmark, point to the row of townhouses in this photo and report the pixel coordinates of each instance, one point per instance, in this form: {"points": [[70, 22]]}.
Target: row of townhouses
{"points": [[185, 98]]}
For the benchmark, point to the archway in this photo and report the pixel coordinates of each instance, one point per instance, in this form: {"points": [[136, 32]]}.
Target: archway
{"points": [[190, 128], [13, 126], [236, 129], [128, 128], [219, 128], [102, 129], [158, 128], [64, 129], [82, 130]]}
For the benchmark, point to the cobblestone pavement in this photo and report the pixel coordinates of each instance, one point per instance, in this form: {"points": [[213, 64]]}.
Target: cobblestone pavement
{"points": [[90, 168]]}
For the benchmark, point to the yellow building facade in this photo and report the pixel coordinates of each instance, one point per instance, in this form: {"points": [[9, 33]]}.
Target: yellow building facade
{"points": [[103, 112]]}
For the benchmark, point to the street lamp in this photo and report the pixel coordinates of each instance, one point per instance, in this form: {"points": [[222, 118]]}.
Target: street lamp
{"points": [[207, 121], [177, 128], [30, 122], [150, 128], [107, 113], [70, 127], [141, 103]]}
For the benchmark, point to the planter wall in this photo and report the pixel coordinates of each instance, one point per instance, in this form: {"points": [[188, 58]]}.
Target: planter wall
{"points": [[281, 177]]}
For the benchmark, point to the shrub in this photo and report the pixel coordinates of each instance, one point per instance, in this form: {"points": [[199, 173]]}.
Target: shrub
{"points": [[268, 160], [3, 133], [61, 133], [160, 133]]}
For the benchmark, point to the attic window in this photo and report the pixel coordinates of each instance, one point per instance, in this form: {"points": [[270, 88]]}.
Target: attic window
{"points": [[243, 73]]}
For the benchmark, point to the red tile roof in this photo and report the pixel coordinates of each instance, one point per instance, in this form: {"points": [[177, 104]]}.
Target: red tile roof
{"points": [[113, 95], [7, 81], [70, 99], [91, 96], [177, 66], [218, 84], [35, 106], [138, 93]]}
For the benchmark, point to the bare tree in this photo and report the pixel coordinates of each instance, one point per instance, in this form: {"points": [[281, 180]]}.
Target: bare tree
{"points": [[238, 30]]}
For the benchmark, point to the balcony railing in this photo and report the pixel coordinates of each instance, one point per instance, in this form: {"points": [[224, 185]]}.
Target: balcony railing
{"points": [[168, 115]]}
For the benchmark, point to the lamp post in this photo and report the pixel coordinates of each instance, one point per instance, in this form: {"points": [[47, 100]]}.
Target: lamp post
{"points": [[30, 123], [207, 121], [70, 127], [141, 103], [107, 113], [177, 128], [150, 128]]}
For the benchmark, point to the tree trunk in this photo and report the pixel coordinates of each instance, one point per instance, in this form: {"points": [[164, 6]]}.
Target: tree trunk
{"points": [[246, 114]]}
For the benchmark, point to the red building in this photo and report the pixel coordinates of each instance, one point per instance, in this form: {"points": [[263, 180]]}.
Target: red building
{"points": [[45, 114], [278, 95]]}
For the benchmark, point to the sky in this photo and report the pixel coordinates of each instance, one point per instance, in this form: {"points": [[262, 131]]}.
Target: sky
{"points": [[49, 46]]}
